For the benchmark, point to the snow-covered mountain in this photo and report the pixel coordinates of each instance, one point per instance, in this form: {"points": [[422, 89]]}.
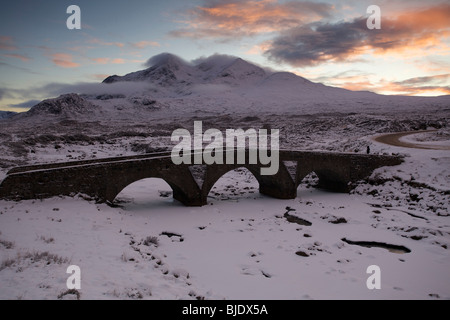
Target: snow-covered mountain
{"points": [[67, 106], [216, 85], [169, 70], [6, 114]]}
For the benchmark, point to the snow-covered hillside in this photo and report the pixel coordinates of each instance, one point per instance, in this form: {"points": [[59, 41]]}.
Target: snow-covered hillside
{"points": [[68, 106]]}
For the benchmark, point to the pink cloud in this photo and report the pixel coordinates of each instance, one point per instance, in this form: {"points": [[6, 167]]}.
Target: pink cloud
{"points": [[17, 56], [104, 43], [117, 61], [100, 60], [143, 44], [6, 43], [64, 60], [108, 60], [99, 76]]}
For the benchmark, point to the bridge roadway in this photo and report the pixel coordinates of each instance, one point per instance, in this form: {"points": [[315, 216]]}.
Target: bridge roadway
{"points": [[103, 179]]}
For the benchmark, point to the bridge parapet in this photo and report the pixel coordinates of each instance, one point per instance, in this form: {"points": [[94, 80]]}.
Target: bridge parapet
{"points": [[104, 179]]}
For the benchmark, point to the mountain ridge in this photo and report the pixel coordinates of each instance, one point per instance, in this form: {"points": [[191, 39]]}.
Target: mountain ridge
{"points": [[217, 84]]}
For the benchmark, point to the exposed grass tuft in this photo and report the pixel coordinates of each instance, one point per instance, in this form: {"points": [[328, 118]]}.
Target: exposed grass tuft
{"points": [[150, 240]]}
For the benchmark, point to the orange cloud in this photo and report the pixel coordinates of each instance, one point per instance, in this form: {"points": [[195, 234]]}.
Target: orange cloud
{"points": [[143, 44], [101, 60], [433, 65], [104, 43], [64, 60], [415, 31], [258, 49], [108, 61], [99, 76], [226, 19], [359, 86], [117, 61], [427, 85], [394, 88], [351, 80], [359, 81], [419, 86]]}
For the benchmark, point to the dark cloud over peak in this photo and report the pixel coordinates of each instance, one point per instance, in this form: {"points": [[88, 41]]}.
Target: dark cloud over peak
{"points": [[321, 42], [318, 42]]}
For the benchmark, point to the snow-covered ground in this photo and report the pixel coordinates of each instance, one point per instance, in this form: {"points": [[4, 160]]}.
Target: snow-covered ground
{"points": [[240, 246]]}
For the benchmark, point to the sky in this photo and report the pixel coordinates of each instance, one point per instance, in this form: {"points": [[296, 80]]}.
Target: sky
{"points": [[324, 41]]}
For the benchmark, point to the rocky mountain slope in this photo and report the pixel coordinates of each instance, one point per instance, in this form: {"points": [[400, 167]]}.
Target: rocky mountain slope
{"points": [[6, 114]]}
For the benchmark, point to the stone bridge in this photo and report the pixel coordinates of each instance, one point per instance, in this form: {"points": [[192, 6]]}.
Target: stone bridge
{"points": [[104, 179]]}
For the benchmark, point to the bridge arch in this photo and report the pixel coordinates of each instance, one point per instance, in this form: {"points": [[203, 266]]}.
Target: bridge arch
{"points": [[148, 191], [309, 177], [281, 185], [183, 185], [249, 173], [329, 179], [332, 180], [122, 186], [215, 172]]}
